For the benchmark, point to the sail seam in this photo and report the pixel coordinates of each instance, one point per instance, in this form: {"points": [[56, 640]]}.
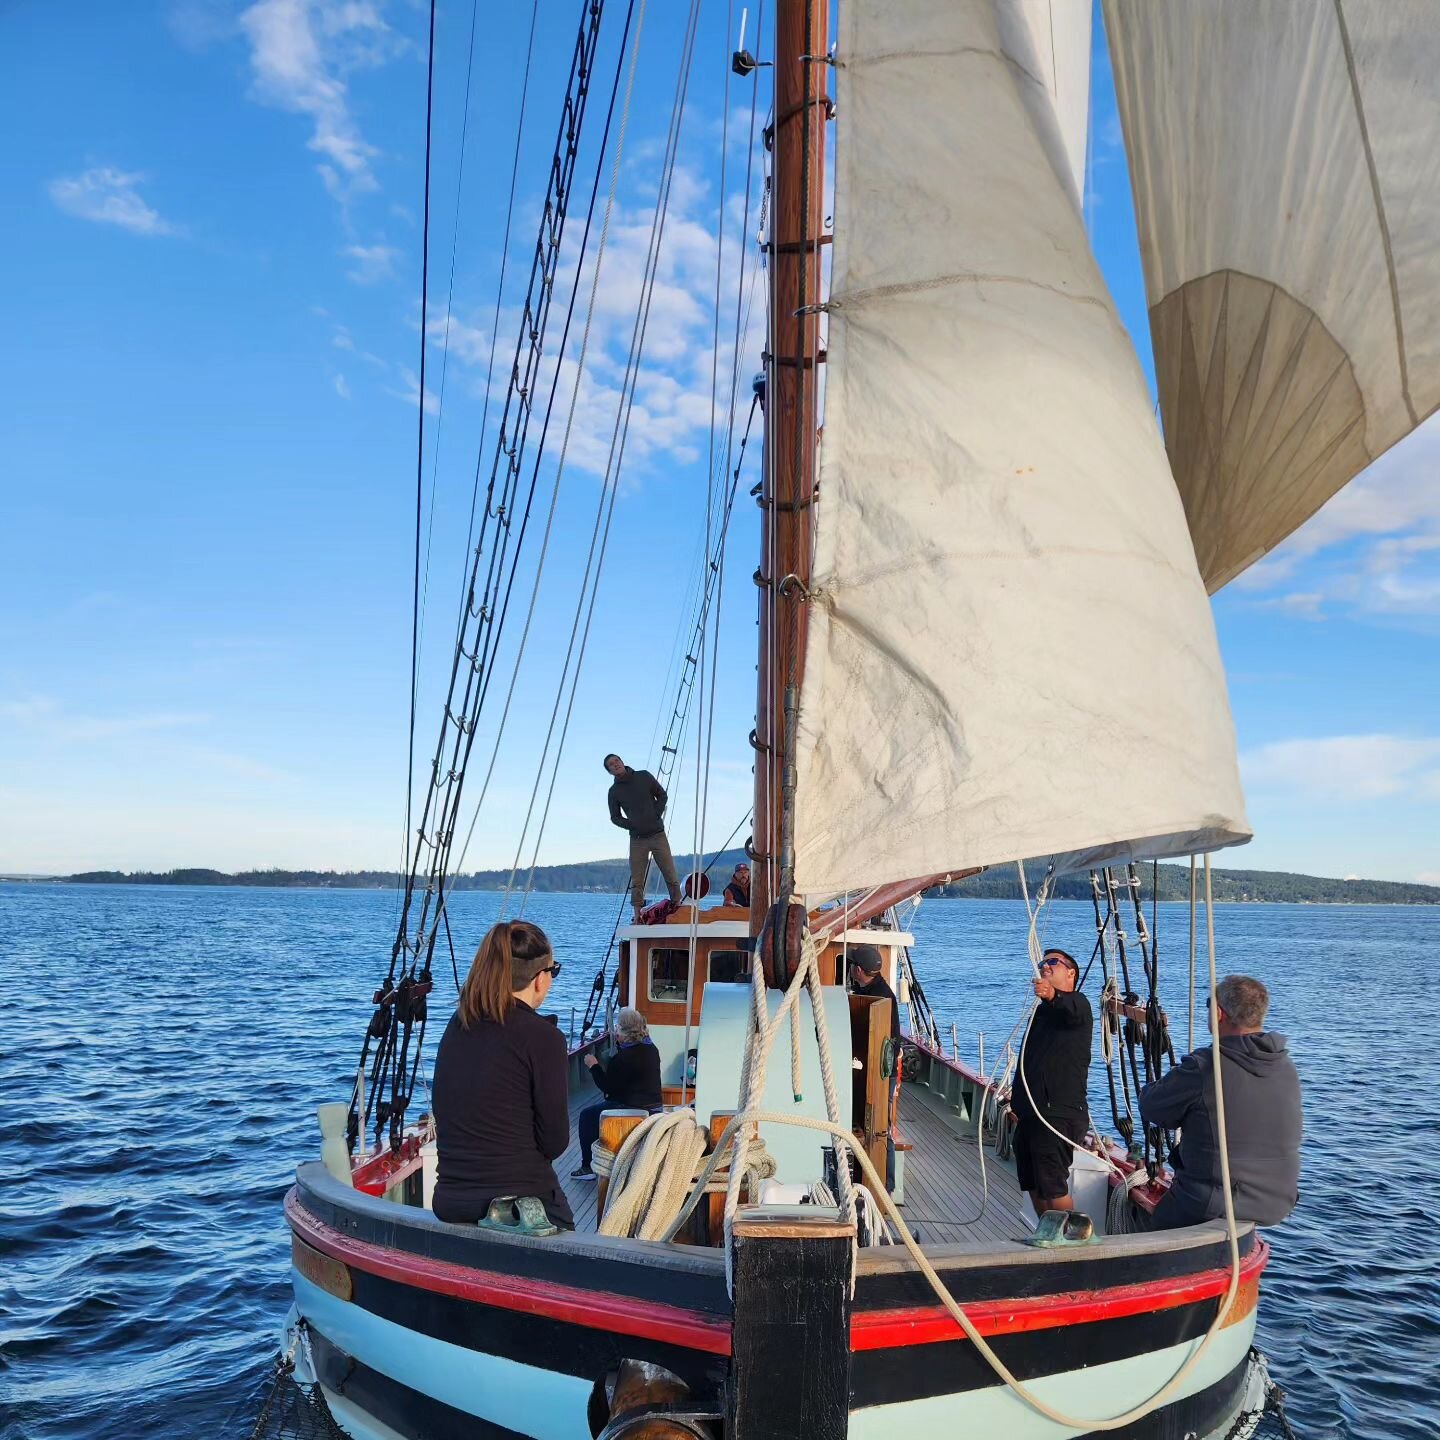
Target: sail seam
{"points": [[1379, 210], [962, 277]]}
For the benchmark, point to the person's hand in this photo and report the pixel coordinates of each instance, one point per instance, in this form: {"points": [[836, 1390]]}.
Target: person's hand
{"points": [[1044, 989], [591, 1062]]}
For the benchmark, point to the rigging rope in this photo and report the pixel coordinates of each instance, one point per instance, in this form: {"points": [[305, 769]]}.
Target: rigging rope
{"points": [[400, 1002], [610, 490], [420, 436]]}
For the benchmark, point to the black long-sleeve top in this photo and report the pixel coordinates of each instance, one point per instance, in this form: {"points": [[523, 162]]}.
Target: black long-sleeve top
{"points": [[637, 803], [1057, 1058], [502, 1111], [631, 1081], [878, 988]]}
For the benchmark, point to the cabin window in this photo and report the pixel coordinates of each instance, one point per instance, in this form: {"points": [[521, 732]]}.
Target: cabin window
{"points": [[669, 974], [729, 965]]}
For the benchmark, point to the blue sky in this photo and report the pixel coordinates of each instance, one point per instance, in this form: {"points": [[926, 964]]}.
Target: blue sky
{"points": [[207, 453]]}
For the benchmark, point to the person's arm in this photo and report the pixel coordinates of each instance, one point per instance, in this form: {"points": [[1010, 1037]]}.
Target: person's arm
{"points": [[657, 793], [550, 1094], [1166, 1101], [1070, 1007], [597, 1074], [616, 818]]}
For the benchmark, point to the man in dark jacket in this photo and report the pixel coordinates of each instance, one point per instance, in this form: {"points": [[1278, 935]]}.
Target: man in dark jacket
{"points": [[637, 804], [1262, 1118], [1048, 1096], [867, 977]]}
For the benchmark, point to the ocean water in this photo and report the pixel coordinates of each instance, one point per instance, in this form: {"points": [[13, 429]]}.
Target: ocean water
{"points": [[164, 1049]]}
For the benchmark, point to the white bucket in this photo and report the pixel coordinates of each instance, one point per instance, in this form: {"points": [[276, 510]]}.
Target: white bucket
{"points": [[1090, 1186]]}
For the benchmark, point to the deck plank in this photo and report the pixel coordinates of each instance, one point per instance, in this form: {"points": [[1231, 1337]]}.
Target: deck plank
{"points": [[946, 1201]]}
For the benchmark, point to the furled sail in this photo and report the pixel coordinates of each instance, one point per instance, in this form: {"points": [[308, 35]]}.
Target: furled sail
{"points": [[1285, 158], [1010, 652]]}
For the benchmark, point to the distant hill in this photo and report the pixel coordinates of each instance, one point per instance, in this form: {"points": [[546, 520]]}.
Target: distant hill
{"points": [[610, 877]]}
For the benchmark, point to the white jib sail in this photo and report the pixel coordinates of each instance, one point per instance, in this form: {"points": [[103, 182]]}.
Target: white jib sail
{"points": [[1010, 650], [1285, 158]]}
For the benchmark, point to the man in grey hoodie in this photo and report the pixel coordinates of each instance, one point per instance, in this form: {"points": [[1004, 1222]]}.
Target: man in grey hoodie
{"points": [[1262, 1117]]}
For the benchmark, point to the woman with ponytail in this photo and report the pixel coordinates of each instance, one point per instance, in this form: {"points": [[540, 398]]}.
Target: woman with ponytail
{"points": [[501, 1094]]}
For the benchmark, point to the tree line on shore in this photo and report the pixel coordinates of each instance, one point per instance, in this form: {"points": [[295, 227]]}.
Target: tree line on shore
{"points": [[611, 876]]}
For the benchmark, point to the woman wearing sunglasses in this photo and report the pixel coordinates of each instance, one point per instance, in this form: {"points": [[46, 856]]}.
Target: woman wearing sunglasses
{"points": [[500, 1093]]}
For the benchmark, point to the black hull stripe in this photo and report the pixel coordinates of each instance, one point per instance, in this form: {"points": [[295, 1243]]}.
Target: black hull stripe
{"points": [[556, 1345], [878, 1377], [689, 1283], [408, 1412], [418, 1416]]}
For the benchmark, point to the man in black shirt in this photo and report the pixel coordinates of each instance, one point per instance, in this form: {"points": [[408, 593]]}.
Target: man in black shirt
{"points": [[737, 892], [867, 977], [1048, 1096], [637, 804]]}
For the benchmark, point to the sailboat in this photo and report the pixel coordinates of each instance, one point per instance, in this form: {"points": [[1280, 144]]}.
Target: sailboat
{"points": [[985, 638]]}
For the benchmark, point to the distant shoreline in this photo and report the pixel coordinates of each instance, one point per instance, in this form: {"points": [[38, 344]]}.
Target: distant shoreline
{"points": [[608, 877]]}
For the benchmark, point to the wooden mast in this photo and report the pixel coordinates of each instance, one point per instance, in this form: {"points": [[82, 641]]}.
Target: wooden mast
{"points": [[802, 106]]}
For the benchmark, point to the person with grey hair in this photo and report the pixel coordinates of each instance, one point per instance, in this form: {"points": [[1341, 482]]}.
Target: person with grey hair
{"points": [[1262, 1117], [630, 1081]]}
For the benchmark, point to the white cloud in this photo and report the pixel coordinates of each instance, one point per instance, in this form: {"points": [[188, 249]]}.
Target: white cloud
{"points": [[47, 714], [342, 387], [301, 52], [411, 393], [108, 196], [1347, 767], [671, 414], [372, 263], [1428, 877], [1375, 547]]}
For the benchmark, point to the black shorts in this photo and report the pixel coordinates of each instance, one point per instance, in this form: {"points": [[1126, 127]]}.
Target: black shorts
{"points": [[1042, 1159]]}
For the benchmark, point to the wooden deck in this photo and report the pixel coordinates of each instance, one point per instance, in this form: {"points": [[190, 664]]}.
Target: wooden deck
{"points": [[945, 1200]]}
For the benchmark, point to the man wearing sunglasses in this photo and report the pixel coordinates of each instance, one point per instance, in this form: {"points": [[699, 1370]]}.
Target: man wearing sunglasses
{"points": [[1048, 1096]]}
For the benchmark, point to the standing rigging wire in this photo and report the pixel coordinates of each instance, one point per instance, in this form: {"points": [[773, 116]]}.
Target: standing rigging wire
{"points": [[610, 489], [399, 1005], [420, 438], [679, 718], [569, 426], [450, 294], [705, 730], [444, 793]]}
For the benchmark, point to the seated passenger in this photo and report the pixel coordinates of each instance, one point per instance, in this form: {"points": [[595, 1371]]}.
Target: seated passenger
{"points": [[1262, 1118], [500, 1093], [631, 1081], [737, 892]]}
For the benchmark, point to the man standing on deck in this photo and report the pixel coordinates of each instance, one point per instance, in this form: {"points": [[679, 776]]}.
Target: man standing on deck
{"points": [[1048, 1096], [1262, 1118], [637, 804]]}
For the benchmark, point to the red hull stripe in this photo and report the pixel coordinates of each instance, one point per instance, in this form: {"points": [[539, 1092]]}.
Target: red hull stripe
{"points": [[653, 1320], [925, 1325], [596, 1310]]}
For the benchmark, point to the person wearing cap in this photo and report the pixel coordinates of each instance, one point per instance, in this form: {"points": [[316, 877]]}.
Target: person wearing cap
{"points": [[737, 892], [637, 804], [1048, 1095], [501, 1088], [867, 977]]}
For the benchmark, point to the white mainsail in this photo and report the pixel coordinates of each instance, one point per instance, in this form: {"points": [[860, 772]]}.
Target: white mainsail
{"points": [[1010, 652], [1285, 159]]}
